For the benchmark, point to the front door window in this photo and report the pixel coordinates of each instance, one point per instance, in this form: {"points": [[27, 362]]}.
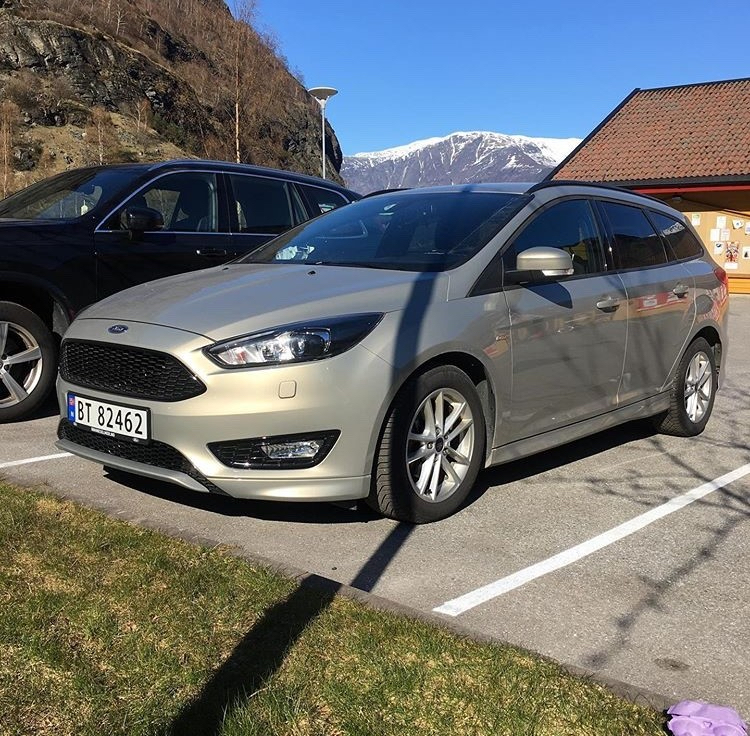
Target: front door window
{"points": [[187, 201]]}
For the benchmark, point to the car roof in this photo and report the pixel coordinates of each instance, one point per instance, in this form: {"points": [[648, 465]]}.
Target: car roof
{"points": [[530, 188], [499, 188], [226, 166]]}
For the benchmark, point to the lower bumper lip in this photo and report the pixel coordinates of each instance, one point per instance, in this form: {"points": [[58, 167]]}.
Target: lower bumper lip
{"points": [[280, 489]]}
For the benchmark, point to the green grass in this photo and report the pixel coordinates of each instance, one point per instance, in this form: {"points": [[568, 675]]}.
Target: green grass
{"points": [[106, 628]]}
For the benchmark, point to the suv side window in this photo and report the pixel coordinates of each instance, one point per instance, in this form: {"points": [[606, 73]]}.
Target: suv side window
{"points": [[681, 243], [187, 201], [636, 243], [568, 225], [322, 200], [262, 205]]}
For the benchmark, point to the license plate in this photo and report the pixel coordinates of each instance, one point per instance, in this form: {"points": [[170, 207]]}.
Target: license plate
{"points": [[112, 420]]}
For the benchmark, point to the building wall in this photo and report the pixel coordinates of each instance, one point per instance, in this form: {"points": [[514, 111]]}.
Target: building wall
{"points": [[727, 237]]}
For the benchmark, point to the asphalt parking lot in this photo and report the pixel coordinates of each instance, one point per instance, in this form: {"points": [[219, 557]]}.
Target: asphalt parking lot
{"points": [[624, 554]]}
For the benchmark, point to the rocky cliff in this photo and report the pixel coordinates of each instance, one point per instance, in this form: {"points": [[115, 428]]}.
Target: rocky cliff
{"points": [[111, 80]]}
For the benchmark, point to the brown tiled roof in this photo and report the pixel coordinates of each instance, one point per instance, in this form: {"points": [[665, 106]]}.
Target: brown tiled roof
{"points": [[695, 131]]}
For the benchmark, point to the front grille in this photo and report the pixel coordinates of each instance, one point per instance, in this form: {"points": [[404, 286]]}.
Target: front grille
{"points": [[127, 371], [157, 454]]}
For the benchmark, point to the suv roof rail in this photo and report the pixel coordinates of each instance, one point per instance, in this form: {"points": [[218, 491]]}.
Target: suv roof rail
{"points": [[385, 191], [546, 183]]}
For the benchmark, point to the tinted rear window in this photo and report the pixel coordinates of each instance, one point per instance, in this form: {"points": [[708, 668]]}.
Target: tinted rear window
{"points": [[680, 241], [322, 200], [636, 243]]}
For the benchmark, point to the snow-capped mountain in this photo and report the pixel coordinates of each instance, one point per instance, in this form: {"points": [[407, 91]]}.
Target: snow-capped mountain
{"points": [[456, 159]]}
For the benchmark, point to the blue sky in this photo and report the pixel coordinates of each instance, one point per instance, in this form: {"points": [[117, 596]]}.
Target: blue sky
{"points": [[413, 69]]}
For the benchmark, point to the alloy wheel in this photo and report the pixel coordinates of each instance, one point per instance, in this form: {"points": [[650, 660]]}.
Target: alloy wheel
{"points": [[698, 387], [440, 445], [20, 364]]}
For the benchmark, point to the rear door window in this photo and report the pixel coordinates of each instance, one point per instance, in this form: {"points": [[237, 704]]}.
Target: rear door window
{"points": [[681, 243], [262, 205], [636, 243], [322, 200]]}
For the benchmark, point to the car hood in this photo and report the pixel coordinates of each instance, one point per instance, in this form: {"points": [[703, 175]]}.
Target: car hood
{"points": [[236, 299]]}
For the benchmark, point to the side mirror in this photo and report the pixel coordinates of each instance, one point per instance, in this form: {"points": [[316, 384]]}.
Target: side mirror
{"points": [[541, 264], [141, 219]]}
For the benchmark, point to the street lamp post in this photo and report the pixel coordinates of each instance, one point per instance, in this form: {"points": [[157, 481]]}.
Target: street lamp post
{"points": [[321, 94]]}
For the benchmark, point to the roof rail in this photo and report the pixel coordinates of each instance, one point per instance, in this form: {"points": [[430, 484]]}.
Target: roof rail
{"points": [[384, 191], [546, 183]]}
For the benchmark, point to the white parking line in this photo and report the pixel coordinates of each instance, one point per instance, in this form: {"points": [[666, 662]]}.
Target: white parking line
{"points": [[486, 593], [13, 463]]}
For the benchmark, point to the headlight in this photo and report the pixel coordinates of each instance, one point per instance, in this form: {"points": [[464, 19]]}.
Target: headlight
{"points": [[295, 343]]}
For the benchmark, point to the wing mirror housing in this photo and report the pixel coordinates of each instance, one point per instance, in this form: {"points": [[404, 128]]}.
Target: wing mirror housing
{"points": [[539, 265], [138, 220]]}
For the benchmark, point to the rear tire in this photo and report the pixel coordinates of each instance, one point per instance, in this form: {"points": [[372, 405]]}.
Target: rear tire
{"points": [[693, 392], [431, 448], [28, 362]]}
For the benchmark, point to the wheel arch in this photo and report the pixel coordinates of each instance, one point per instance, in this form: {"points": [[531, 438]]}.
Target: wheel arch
{"points": [[477, 372], [38, 298], [711, 335]]}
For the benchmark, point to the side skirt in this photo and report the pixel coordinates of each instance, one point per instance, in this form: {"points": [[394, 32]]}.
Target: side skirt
{"points": [[538, 443]]}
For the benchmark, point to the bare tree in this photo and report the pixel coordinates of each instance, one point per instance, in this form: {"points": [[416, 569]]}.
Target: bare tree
{"points": [[9, 114], [101, 134], [245, 15], [143, 115], [120, 18]]}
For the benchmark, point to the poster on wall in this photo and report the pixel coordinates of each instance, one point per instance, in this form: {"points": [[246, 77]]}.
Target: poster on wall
{"points": [[732, 256], [727, 236]]}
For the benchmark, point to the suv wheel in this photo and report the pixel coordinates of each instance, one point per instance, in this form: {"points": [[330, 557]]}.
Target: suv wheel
{"points": [[27, 361], [431, 448], [693, 392]]}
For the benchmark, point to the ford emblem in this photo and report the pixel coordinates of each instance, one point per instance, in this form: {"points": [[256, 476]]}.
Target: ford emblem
{"points": [[117, 329]]}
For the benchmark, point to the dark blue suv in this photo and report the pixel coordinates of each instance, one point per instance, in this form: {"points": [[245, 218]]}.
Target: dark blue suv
{"points": [[77, 237]]}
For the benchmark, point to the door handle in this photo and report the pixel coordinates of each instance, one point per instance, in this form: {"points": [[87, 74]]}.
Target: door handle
{"points": [[681, 290], [210, 252], [608, 305]]}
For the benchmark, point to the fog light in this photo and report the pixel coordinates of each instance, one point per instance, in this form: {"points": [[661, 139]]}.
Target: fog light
{"points": [[276, 453], [300, 450]]}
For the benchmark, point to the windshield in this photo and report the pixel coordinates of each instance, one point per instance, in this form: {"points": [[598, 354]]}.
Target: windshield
{"points": [[413, 231], [66, 196]]}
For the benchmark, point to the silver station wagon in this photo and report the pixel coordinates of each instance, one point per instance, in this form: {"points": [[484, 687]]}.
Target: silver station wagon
{"points": [[391, 349]]}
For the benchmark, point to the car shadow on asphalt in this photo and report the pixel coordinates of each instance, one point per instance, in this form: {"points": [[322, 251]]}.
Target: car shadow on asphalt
{"points": [[305, 513], [359, 512], [542, 462]]}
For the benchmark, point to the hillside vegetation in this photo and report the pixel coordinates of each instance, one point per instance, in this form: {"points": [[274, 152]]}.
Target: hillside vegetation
{"points": [[101, 81]]}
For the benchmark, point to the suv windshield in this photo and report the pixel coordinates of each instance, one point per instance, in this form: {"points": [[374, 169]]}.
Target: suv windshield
{"points": [[66, 196], [412, 231]]}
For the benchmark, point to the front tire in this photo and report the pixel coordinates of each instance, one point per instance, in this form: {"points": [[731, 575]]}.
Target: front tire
{"points": [[431, 448], [28, 361], [693, 392]]}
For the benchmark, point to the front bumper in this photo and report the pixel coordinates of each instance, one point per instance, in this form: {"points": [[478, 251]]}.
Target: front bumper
{"points": [[320, 395]]}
